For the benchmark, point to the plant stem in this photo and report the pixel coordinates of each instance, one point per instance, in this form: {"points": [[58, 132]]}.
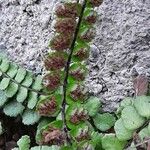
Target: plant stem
{"points": [[65, 83]]}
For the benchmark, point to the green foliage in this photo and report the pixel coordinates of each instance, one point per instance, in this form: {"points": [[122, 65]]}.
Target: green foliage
{"points": [[104, 121], [122, 133], [93, 106], [19, 91], [13, 109], [110, 142], [69, 117], [134, 113], [133, 121], [142, 105], [24, 143], [30, 117]]}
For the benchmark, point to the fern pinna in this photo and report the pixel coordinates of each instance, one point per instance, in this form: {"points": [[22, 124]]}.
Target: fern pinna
{"points": [[19, 91], [66, 69]]}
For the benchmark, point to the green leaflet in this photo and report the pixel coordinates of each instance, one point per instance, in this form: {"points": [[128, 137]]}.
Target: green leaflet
{"points": [[16, 88], [30, 117], [13, 109], [142, 105], [37, 85], [110, 142], [28, 79], [3, 98], [144, 133], [131, 119], [12, 71], [104, 121], [11, 89], [20, 75], [22, 94], [96, 140], [4, 65], [32, 100], [93, 106], [122, 133], [4, 83], [42, 124], [24, 143], [126, 102]]}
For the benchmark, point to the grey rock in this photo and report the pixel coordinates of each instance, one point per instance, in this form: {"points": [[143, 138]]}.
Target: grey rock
{"points": [[121, 48]]}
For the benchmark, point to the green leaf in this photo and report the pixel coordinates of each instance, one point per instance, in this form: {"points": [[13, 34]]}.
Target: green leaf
{"points": [[13, 109], [144, 133], [96, 140], [4, 83], [45, 101], [104, 121], [110, 142], [24, 143], [28, 79], [30, 117], [22, 94], [20, 75], [4, 66], [122, 133], [37, 85], [45, 148], [126, 102], [70, 111], [32, 100], [93, 106], [42, 124], [131, 119], [11, 89], [142, 105], [3, 98], [12, 71], [78, 130]]}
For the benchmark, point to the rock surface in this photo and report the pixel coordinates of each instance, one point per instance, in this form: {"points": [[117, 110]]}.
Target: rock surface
{"points": [[120, 50]]}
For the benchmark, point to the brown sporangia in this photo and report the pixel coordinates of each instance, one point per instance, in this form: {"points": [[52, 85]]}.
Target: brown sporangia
{"points": [[78, 74], [54, 62], [65, 25], [61, 42], [68, 10], [53, 136], [91, 19], [83, 135], [48, 107], [96, 3], [82, 54], [78, 94], [78, 116], [51, 81], [88, 35]]}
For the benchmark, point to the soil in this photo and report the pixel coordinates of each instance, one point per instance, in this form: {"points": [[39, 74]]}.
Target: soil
{"points": [[13, 130]]}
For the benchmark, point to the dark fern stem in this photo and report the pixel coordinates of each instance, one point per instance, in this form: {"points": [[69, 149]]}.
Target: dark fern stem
{"points": [[67, 71]]}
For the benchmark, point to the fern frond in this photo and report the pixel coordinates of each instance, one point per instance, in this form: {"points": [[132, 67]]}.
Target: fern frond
{"points": [[19, 89]]}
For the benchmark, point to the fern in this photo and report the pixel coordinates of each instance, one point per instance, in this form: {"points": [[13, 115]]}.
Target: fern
{"points": [[24, 144], [19, 91]]}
